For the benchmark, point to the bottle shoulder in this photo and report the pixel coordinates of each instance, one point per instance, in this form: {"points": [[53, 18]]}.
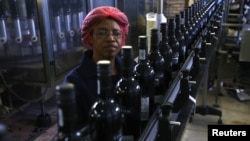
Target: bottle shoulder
{"points": [[165, 47], [143, 66], [143, 70], [75, 136], [104, 107], [127, 81], [155, 57]]}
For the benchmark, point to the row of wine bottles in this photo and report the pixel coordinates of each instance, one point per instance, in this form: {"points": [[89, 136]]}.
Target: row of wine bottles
{"points": [[124, 112], [202, 44]]}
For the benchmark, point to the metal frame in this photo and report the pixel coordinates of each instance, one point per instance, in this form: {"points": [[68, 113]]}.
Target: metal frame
{"points": [[94, 3], [46, 39], [150, 132], [49, 63]]}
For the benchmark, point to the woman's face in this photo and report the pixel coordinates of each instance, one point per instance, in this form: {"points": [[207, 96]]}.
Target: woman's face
{"points": [[106, 40]]}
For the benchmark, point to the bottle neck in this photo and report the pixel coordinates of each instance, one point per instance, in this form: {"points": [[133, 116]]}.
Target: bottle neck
{"points": [[143, 49], [67, 117], [154, 40], [104, 80], [182, 24], [164, 39], [127, 66], [182, 19], [163, 30], [187, 17], [178, 22], [104, 88], [190, 15], [142, 55], [171, 29], [196, 10]]}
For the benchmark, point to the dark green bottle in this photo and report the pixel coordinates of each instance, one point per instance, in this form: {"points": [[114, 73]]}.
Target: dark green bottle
{"points": [[158, 63], [67, 119], [128, 94], [144, 74], [106, 117]]}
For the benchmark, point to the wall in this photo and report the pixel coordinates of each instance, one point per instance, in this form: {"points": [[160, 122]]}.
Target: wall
{"points": [[171, 7]]}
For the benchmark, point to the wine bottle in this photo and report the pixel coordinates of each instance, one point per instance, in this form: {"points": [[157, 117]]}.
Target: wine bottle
{"points": [[185, 32], [204, 15], [157, 61], [128, 95], [196, 63], [67, 119], [201, 14], [106, 117], [174, 44], [166, 52], [193, 22], [190, 30], [180, 37], [4, 136], [198, 19], [144, 74]]}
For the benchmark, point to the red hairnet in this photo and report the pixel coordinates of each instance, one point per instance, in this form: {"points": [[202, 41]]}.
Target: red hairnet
{"points": [[98, 14]]}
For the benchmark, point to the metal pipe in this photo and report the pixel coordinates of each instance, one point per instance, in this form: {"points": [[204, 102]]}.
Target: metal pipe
{"points": [[30, 6], [3, 32], [15, 17]]}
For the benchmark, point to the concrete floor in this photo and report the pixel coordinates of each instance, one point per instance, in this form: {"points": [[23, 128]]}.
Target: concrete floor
{"points": [[234, 111], [22, 123]]}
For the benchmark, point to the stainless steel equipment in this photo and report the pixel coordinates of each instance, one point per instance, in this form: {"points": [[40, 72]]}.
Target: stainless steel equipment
{"points": [[40, 39]]}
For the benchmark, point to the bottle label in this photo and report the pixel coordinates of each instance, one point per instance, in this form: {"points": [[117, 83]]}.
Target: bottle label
{"points": [[60, 117], [150, 24], [158, 98], [158, 91], [98, 87], [158, 79], [160, 35], [144, 108], [182, 21], [142, 54], [184, 48], [118, 137], [128, 138], [175, 58]]}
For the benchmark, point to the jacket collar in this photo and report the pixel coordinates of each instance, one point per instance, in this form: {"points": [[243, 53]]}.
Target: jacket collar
{"points": [[89, 68]]}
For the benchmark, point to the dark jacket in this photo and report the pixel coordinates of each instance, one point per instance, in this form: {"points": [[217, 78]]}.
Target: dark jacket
{"points": [[84, 77]]}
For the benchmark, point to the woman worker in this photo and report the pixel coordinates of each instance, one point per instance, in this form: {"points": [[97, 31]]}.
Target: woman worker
{"points": [[104, 32]]}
